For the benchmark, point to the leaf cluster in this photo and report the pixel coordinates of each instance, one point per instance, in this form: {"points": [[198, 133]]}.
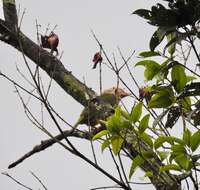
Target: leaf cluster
{"points": [[174, 92], [169, 21]]}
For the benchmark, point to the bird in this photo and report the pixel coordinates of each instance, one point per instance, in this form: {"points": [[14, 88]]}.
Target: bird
{"points": [[97, 59], [113, 95], [100, 107], [51, 42]]}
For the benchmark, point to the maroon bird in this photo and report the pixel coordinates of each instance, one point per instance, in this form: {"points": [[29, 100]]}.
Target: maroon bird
{"points": [[50, 42], [97, 59]]}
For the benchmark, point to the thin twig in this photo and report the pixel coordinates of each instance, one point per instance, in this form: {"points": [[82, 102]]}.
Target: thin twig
{"points": [[100, 75], [23, 76], [123, 171], [128, 68], [16, 181], [116, 164], [90, 129], [39, 180], [18, 85], [108, 187], [20, 23]]}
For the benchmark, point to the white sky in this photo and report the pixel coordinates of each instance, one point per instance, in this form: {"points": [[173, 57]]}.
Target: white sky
{"points": [[115, 27]]}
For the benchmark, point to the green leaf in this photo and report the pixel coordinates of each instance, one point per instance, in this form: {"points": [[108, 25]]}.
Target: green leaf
{"points": [[118, 113], [113, 123], [162, 75], [163, 154], [136, 112], [195, 141], [179, 78], [190, 78], [178, 149], [116, 142], [183, 161], [148, 154], [172, 156], [100, 134], [144, 13], [152, 68], [147, 139], [185, 103], [148, 174], [137, 161], [105, 144], [146, 54], [187, 137], [127, 124], [159, 141], [144, 123], [162, 99], [171, 45], [162, 139], [173, 39], [125, 114], [170, 167], [110, 125]]}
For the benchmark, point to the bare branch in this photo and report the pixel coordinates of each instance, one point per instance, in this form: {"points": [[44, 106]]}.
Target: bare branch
{"points": [[16, 181], [53, 66], [10, 13], [39, 180], [49, 142]]}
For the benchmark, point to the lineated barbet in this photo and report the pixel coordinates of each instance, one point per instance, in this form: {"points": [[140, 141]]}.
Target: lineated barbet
{"points": [[101, 107]]}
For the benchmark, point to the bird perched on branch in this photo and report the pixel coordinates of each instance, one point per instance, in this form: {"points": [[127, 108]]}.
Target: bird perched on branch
{"points": [[50, 42], [97, 59], [101, 107]]}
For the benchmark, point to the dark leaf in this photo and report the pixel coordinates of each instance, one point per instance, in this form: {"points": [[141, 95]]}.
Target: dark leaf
{"points": [[192, 89], [156, 38], [144, 13], [172, 116], [196, 118]]}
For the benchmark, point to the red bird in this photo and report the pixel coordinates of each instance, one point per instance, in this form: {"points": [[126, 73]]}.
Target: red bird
{"points": [[97, 59], [50, 42]]}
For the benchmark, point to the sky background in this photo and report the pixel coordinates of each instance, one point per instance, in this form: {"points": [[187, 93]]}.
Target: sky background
{"points": [[115, 27]]}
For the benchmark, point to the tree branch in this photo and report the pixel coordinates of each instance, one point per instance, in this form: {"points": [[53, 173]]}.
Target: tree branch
{"points": [[10, 13], [49, 142], [53, 67]]}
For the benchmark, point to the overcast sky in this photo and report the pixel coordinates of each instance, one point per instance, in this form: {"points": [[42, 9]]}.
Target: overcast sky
{"points": [[115, 27]]}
